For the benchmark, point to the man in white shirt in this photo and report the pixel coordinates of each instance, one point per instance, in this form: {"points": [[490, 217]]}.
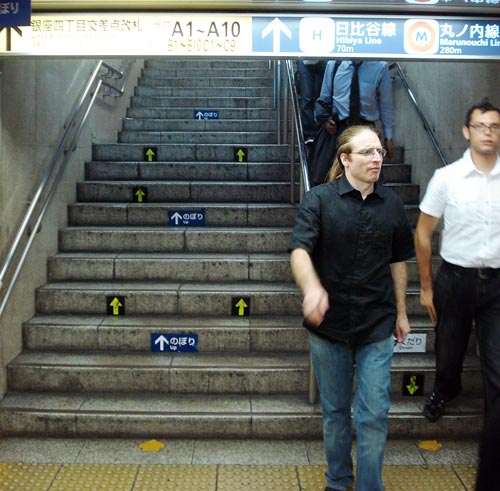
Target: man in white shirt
{"points": [[467, 287]]}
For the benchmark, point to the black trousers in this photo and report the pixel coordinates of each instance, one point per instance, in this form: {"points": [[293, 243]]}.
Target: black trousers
{"points": [[463, 296]]}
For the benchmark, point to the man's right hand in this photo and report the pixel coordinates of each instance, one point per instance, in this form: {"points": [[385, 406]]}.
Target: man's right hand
{"points": [[315, 306], [331, 126], [427, 301]]}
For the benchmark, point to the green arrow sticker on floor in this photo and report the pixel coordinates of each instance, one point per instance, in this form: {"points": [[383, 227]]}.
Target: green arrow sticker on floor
{"points": [[240, 306], [150, 154], [413, 384], [140, 194], [241, 154], [115, 305]]}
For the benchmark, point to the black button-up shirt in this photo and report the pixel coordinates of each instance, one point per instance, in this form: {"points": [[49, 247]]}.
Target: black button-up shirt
{"points": [[352, 243]]}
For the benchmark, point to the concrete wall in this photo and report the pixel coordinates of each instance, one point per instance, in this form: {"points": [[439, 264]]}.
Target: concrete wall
{"points": [[36, 96], [444, 90]]}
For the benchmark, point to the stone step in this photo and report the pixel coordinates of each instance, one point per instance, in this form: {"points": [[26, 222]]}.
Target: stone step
{"points": [[193, 124], [212, 171], [183, 91], [133, 333], [168, 298], [156, 214], [188, 113], [272, 266], [174, 239], [220, 70], [204, 102], [217, 80], [189, 298], [198, 373], [205, 64], [119, 372], [191, 191], [223, 333], [217, 267], [192, 171], [195, 152], [210, 416], [214, 137]]}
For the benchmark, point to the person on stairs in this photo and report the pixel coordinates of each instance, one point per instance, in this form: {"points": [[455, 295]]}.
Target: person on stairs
{"points": [[466, 290], [310, 77], [353, 92], [349, 248]]}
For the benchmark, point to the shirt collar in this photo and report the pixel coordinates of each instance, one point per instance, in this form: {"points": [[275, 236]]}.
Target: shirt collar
{"points": [[468, 168], [344, 187]]}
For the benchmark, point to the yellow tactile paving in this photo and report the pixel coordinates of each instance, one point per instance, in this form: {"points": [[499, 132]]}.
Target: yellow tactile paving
{"points": [[467, 474], [89, 477], [312, 477], [421, 478], [118, 477], [176, 478], [261, 478], [27, 477]]}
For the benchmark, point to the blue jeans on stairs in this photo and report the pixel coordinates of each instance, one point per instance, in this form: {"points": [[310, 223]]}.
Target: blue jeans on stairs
{"points": [[335, 366]]}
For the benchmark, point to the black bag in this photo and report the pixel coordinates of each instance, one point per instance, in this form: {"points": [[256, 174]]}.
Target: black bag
{"points": [[321, 155]]}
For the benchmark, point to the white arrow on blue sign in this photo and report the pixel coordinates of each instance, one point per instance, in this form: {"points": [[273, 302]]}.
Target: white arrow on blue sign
{"points": [[174, 343], [204, 114], [186, 218]]}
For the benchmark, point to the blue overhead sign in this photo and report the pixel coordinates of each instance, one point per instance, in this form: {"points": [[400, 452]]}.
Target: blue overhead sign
{"points": [[13, 14], [131, 34], [389, 37]]}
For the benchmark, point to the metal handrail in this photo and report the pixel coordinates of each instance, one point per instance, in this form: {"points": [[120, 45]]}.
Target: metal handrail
{"points": [[426, 124], [305, 185], [52, 176]]}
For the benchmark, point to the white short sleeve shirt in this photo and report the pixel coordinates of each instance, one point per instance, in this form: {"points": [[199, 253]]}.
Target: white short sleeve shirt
{"points": [[469, 202]]}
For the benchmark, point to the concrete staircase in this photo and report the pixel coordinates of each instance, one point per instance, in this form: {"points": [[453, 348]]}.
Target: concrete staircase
{"points": [[89, 370]]}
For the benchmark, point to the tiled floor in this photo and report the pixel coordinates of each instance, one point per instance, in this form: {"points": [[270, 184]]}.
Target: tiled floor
{"points": [[114, 465]]}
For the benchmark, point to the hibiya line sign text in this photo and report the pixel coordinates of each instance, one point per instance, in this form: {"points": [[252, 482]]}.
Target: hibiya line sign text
{"points": [[133, 34]]}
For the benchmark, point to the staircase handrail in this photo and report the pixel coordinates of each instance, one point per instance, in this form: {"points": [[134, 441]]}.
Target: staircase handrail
{"points": [[305, 184], [48, 184], [297, 132], [426, 124]]}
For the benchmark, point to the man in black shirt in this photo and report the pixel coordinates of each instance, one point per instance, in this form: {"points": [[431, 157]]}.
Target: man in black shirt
{"points": [[348, 256]]}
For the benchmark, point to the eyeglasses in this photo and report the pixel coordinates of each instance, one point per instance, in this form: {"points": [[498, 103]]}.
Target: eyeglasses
{"points": [[481, 127], [368, 152]]}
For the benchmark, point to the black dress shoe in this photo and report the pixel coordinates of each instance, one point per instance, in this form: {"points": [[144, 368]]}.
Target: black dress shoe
{"points": [[434, 407]]}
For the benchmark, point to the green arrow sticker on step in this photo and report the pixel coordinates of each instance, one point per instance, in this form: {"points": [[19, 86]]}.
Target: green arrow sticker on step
{"points": [[240, 306], [413, 384], [240, 154], [115, 305], [150, 154], [140, 194]]}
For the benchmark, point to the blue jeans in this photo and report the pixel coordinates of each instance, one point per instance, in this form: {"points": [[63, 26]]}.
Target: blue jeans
{"points": [[334, 365]]}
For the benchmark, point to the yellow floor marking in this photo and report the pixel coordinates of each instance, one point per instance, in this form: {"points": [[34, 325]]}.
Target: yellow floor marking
{"points": [[258, 477], [421, 478], [27, 477], [176, 478], [467, 474], [90, 477], [118, 477], [312, 477]]}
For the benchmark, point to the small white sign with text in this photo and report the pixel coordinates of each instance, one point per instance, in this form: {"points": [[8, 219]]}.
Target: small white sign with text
{"points": [[414, 343]]}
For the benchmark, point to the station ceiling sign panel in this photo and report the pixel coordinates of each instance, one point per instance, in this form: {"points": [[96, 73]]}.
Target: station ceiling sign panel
{"points": [[118, 34]]}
